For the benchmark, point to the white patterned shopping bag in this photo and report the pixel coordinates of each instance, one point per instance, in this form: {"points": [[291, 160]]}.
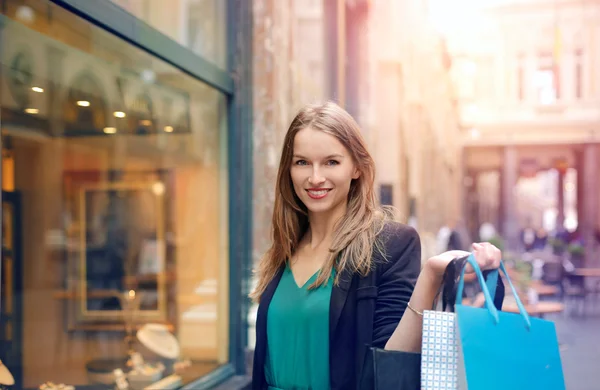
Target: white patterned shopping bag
{"points": [[439, 351]]}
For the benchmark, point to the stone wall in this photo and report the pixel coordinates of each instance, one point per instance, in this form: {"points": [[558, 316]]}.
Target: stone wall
{"points": [[281, 70]]}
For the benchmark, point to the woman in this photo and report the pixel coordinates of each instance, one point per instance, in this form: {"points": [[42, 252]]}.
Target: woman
{"points": [[340, 274]]}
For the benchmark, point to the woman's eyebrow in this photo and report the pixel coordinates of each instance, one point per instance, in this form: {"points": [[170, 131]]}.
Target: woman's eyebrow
{"points": [[326, 158]]}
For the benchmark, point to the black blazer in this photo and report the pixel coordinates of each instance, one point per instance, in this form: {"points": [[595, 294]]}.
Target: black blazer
{"points": [[363, 313]]}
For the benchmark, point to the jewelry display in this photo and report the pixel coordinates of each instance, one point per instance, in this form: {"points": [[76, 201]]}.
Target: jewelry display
{"points": [[120, 380], [182, 365], [53, 386], [158, 339], [143, 374], [6, 378], [130, 304]]}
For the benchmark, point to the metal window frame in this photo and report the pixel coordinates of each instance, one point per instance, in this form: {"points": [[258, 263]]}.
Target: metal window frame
{"points": [[111, 17], [236, 83]]}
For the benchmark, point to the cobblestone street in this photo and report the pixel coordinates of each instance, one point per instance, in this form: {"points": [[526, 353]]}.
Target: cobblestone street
{"points": [[580, 345]]}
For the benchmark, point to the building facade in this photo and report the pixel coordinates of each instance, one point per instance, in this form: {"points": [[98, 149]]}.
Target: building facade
{"points": [[126, 189], [413, 121], [394, 80], [529, 94], [295, 63]]}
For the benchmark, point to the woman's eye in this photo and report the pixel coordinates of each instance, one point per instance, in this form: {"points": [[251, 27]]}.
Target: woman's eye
{"points": [[332, 162], [301, 162]]}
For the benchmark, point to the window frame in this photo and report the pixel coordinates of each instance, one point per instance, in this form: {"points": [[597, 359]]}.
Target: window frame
{"points": [[119, 22]]}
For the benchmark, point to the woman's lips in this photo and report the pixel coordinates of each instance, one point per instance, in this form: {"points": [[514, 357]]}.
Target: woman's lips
{"points": [[315, 193]]}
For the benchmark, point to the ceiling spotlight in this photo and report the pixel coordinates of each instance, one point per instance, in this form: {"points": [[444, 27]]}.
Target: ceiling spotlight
{"points": [[169, 129], [83, 103], [25, 14], [110, 130], [32, 111], [119, 114], [158, 188], [37, 89]]}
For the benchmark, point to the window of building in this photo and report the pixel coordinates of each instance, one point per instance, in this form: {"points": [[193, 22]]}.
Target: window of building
{"points": [[386, 194], [466, 76], [546, 80], [115, 204]]}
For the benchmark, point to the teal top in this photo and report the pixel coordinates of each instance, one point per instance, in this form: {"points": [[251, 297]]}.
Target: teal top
{"points": [[298, 335]]}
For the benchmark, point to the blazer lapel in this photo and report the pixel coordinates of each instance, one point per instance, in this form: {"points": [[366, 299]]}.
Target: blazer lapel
{"points": [[260, 353], [339, 294]]}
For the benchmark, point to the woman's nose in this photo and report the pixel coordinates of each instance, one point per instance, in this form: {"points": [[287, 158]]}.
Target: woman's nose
{"points": [[316, 178]]}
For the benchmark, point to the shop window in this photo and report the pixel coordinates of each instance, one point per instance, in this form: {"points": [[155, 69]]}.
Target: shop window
{"points": [[114, 170]]}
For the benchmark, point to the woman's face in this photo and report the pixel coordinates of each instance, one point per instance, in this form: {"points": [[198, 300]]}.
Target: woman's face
{"points": [[322, 171]]}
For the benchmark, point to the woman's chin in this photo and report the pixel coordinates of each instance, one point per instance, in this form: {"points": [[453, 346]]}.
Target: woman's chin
{"points": [[317, 206]]}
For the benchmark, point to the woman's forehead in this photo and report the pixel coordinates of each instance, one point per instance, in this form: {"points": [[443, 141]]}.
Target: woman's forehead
{"points": [[310, 142]]}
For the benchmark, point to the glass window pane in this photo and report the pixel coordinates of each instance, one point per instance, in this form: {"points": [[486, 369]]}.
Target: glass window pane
{"points": [[199, 25], [115, 178]]}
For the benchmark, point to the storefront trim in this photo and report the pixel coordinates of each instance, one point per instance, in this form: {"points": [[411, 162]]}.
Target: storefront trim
{"points": [[113, 18], [240, 32], [211, 380]]}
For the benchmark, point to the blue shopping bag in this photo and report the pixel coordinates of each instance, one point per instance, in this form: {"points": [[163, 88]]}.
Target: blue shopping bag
{"points": [[439, 344], [499, 350]]}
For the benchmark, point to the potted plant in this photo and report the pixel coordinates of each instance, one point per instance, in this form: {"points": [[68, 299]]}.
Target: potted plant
{"points": [[497, 241], [558, 245], [577, 253], [523, 270]]}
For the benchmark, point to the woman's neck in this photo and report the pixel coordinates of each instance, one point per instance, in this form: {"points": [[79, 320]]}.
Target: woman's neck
{"points": [[322, 226]]}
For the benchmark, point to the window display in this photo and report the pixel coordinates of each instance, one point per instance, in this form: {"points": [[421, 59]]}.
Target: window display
{"points": [[117, 165]]}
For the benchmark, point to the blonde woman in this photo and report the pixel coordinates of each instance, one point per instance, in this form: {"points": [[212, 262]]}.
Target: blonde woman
{"points": [[340, 275]]}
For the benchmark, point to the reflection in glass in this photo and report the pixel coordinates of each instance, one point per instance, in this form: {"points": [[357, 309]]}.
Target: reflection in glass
{"points": [[199, 25], [120, 164], [121, 253]]}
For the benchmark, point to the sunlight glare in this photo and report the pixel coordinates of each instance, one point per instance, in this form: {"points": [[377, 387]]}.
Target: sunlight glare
{"points": [[447, 16]]}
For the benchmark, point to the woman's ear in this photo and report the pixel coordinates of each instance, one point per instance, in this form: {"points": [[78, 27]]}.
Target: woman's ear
{"points": [[356, 174]]}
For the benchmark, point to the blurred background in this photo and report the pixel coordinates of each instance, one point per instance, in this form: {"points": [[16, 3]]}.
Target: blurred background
{"points": [[140, 144]]}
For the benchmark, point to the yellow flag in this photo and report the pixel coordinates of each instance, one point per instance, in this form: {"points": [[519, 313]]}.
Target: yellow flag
{"points": [[557, 44]]}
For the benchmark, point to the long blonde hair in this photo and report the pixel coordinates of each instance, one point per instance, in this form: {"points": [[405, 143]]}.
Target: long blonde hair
{"points": [[355, 235]]}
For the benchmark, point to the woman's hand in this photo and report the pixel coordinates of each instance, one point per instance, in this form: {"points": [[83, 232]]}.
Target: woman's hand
{"points": [[487, 256], [407, 336]]}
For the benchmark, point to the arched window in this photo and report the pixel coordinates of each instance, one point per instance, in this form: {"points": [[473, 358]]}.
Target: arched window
{"points": [[85, 110], [142, 119]]}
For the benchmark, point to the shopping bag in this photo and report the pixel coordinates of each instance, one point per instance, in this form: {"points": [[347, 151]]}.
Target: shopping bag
{"points": [[439, 351], [392, 370], [482, 348], [439, 347], [498, 350]]}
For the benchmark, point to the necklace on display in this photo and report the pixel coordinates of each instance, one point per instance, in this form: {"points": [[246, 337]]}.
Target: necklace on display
{"points": [[6, 378]]}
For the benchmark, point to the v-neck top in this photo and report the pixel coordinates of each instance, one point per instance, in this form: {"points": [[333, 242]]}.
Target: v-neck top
{"points": [[298, 335]]}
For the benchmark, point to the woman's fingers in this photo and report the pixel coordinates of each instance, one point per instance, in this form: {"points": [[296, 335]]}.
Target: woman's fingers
{"points": [[487, 255]]}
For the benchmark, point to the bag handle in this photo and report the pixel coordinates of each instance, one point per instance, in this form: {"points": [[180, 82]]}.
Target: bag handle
{"points": [[491, 283], [490, 304]]}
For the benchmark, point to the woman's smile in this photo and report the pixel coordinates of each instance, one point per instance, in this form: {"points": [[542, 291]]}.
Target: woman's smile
{"points": [[318, 193]]}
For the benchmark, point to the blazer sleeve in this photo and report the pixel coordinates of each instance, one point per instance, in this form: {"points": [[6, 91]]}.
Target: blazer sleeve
{"points": [[396, 280]]}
